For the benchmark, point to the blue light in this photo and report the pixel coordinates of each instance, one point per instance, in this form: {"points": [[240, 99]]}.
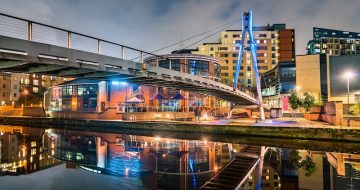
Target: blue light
{"points": [[119, 83]]}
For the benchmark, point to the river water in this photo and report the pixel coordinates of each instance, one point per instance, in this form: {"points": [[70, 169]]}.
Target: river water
{"points": [[54, 158]]}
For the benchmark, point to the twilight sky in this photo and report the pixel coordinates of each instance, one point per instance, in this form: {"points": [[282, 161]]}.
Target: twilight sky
{"points": [[152, 24]]}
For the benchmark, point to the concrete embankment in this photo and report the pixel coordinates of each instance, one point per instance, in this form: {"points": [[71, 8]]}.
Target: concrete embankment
{"points": [[332, 134]]}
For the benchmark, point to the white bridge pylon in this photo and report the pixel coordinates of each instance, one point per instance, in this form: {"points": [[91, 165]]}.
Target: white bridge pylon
{"points": [[247, 27]]}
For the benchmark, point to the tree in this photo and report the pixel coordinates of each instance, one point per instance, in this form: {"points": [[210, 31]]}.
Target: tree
{"points": [[295, 102], [308, 165], [308, 102], [294, 158], [355, 109]]}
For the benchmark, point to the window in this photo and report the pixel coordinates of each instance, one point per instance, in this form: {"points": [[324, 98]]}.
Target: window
{"points": [[263, 35], [4, 77], [249, 81], [35, 89], [211, 49], [36, 82], [198, 67], [3, 94], [225, 36], [225, 68], [15, 86], [4, 85], [248, 68], [222, 48], [236, 35]]}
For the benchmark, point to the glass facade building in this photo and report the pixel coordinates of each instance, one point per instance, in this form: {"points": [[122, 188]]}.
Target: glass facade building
{"points": [[74, 97], [200, 65], [334, 42]]}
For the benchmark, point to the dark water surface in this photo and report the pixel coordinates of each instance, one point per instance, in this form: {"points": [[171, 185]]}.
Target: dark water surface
{"points": [[34, 158]]}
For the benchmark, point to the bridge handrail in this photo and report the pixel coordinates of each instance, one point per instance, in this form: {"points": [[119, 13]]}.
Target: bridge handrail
{"points": [[69, 32]]}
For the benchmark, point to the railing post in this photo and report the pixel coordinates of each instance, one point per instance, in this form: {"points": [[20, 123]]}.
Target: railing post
{"points": [[98, 47], [29, 30], [122, 52], [141, 57], [68, 40]]}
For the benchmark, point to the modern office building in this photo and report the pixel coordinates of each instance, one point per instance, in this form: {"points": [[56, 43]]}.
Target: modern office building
{"points": [[323, 77], [278, 83], [334, 42], [119, 99], [276, 44]]}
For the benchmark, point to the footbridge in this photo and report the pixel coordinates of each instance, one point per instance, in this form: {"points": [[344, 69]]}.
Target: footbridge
{"points": [[35, 48]]}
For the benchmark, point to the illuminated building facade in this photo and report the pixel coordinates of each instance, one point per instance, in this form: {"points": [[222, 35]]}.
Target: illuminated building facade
{"points": [[275, 44], [334, 42], [322, 76], [117, 99]]}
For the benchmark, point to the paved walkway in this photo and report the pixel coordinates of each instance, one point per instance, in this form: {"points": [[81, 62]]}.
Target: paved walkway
{"points": [[278, 122]]}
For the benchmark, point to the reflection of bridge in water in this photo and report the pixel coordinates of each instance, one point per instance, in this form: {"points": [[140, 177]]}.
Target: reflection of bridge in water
{"points": [[237, 171], [35, 48]]}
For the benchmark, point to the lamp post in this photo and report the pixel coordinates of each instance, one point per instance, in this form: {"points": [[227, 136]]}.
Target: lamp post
{"points": [[348, 75], [26, 93]]}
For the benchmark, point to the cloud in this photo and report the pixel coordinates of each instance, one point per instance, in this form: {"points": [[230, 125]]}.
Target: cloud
{"points": [[151, 24]]}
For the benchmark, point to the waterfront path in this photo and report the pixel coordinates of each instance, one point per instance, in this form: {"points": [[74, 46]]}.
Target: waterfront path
{"points": [[279, 128]]}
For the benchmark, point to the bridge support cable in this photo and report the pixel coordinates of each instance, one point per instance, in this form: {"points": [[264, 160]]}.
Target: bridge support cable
{"points": [[247, 27]]}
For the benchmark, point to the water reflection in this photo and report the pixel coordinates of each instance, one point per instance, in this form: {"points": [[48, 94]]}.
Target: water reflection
{"points": [[169, 163], [22, 151]]}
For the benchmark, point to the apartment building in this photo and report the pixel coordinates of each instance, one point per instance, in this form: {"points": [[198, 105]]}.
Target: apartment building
{"points": [[334, 42], [275, 44]]}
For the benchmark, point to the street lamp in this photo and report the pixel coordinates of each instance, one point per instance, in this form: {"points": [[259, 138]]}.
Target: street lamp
{"points": [[348, 75], [26, 93]]}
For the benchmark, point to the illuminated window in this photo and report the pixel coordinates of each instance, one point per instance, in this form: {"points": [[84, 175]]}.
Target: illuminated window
{"points": [[33, 144], [35, 89], [33, 151], [36, 82]]}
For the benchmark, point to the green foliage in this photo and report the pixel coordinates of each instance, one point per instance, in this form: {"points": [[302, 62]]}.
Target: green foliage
{"points": [[294, 158], [33, 98], [308, 102], [355, 109], [294, 101], [308, 165]]}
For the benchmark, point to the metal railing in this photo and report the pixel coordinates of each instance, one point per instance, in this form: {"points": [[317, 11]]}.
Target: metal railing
{"points": [[24, 29]]}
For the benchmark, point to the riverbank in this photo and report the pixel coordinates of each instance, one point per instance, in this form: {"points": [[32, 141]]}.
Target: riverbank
{"points": [[330, 133]]}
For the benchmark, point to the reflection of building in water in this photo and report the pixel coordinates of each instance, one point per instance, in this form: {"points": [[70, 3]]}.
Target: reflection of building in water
{"points": [[333, 171], [161, 163], [21, 151], [270, 175]]}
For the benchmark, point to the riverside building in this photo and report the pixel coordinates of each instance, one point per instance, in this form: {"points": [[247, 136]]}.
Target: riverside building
{"points": [[334, 42], [118, 99], [275, 44]]}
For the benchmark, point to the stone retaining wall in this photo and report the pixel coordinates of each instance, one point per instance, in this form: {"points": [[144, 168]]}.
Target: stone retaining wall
{"points": [[332, 134]]}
